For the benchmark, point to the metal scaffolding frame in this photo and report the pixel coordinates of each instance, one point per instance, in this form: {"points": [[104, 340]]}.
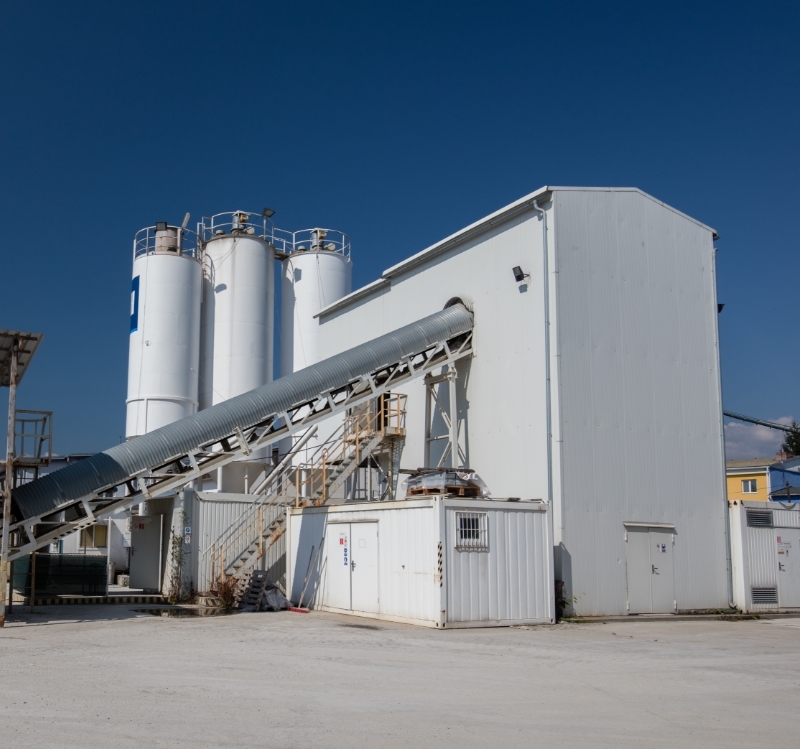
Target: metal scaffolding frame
{"points": [[449, 416]]}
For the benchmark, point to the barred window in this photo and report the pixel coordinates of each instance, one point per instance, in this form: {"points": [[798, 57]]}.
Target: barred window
{"points": [[472, 531]]}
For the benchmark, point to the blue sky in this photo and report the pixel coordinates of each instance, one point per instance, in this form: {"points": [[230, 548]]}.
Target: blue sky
{"points": [[397, 123]]}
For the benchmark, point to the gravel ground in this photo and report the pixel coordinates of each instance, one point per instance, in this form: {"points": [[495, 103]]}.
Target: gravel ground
{"points": [[106, 676]]}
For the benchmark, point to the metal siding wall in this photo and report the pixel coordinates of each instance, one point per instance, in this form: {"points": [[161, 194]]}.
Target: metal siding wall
{"points": [[763, 563], [786, 518], [407, 548], [761, 552], [501, 390], [306, 530], [213, 514], [513, 581], [639, 397], [739, 560], [407, 537]]}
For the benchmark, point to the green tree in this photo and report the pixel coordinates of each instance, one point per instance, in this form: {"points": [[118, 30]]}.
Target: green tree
{"points": [[791, 445]]}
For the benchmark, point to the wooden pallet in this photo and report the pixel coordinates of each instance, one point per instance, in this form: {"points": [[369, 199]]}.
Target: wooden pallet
{"points": [[450, 491]]}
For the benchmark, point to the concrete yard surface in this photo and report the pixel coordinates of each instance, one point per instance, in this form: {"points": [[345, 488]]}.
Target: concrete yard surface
{"points": [[106, 676]]}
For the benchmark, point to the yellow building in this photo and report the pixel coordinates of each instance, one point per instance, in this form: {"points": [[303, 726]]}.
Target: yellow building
{"points": [[749, 479]]}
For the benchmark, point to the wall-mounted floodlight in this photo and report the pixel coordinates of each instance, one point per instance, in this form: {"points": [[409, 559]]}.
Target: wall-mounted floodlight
{"points": [[161, 225], [518, 274], [268, 213], [720, 307]]}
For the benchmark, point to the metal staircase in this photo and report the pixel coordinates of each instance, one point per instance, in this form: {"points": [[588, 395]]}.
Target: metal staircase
{"points": [[315, 478]]}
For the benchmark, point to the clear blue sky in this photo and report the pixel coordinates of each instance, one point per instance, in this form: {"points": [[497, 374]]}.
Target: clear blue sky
{"points": [[395, 122]]}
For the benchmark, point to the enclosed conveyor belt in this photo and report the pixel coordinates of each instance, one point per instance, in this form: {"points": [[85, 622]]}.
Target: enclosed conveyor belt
{"points": [[169, 458]]}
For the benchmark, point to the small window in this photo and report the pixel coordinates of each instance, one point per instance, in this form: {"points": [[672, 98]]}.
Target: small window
{"points": [[749, 486], [472, 531], [94, 537]]}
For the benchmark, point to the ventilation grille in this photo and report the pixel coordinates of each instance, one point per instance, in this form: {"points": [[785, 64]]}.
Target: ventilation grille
{"points": [[759, 519], [765, 595], [472, 531]]}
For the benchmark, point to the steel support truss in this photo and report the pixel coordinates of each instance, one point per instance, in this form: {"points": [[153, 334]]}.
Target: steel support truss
{"points": [[180, 470], [449, 417]]}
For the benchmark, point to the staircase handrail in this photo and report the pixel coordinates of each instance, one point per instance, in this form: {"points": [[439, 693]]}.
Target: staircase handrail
{"points": [[326, 462]]}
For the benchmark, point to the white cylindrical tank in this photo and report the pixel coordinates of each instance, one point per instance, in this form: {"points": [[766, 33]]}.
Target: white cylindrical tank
{"points": [[237, 330], [317, 273], [164, 349]]}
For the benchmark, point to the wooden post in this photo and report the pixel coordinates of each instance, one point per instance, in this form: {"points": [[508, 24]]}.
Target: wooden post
{"points": [[5, 592]]}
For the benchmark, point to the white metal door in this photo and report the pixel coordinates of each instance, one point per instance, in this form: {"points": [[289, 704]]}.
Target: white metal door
{"points": [[145, 561], [787, 541], [364, 567], [662, 578], [637, 552], [337, 566]]}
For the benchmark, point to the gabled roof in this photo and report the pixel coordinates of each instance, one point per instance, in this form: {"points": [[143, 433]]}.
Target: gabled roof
{"points": [[541, 196]]}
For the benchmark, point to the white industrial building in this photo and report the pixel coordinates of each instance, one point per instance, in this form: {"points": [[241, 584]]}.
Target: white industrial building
{"points": [[564, 347], [595, 383]]}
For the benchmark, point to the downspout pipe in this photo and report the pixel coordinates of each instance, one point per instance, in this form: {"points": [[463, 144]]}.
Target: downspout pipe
{"points": [[548, 409]]}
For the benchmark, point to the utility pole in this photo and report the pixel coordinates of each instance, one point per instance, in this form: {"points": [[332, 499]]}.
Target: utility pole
{"points": [[5, 595]]}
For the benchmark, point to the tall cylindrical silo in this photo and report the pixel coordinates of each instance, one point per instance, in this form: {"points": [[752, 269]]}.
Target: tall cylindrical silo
{"points": [[164, 348], [317, 273], [237, 331]]}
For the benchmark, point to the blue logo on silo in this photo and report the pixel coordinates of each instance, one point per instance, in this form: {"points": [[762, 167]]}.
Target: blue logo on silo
{"points": [[135, 305]]}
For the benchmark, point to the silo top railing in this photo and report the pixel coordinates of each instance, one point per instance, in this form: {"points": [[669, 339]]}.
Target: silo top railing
{"points": [[237, 223], [144, 242], [311, 240]]}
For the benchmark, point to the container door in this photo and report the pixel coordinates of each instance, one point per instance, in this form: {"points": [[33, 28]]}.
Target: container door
{"points": [[146, 552], [662, 576], [364, 567], [637, 550], [788, 547], [337, 566]]}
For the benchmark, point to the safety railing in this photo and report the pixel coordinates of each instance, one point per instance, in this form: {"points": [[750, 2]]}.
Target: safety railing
{"points": [[33, 437], [311, 240], [301, 482], [164, 239], [243, 223], [383, 417]]}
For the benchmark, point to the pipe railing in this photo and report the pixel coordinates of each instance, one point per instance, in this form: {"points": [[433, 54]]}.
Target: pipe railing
{"points": [[300, 484]]}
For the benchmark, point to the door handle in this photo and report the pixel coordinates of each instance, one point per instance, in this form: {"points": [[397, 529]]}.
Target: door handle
{"points": [[352, 565], [654, 568]]}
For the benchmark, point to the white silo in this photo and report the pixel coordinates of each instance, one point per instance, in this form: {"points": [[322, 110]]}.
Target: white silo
{"points": [[237, 330], [317, 272], [164, 344]]}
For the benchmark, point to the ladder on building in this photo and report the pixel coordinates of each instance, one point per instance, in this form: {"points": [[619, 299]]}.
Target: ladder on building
{"points": [[316, 479]]}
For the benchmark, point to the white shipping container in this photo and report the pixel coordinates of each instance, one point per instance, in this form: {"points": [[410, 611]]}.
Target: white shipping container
{"points": [[434, 561], [765, 555]]}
